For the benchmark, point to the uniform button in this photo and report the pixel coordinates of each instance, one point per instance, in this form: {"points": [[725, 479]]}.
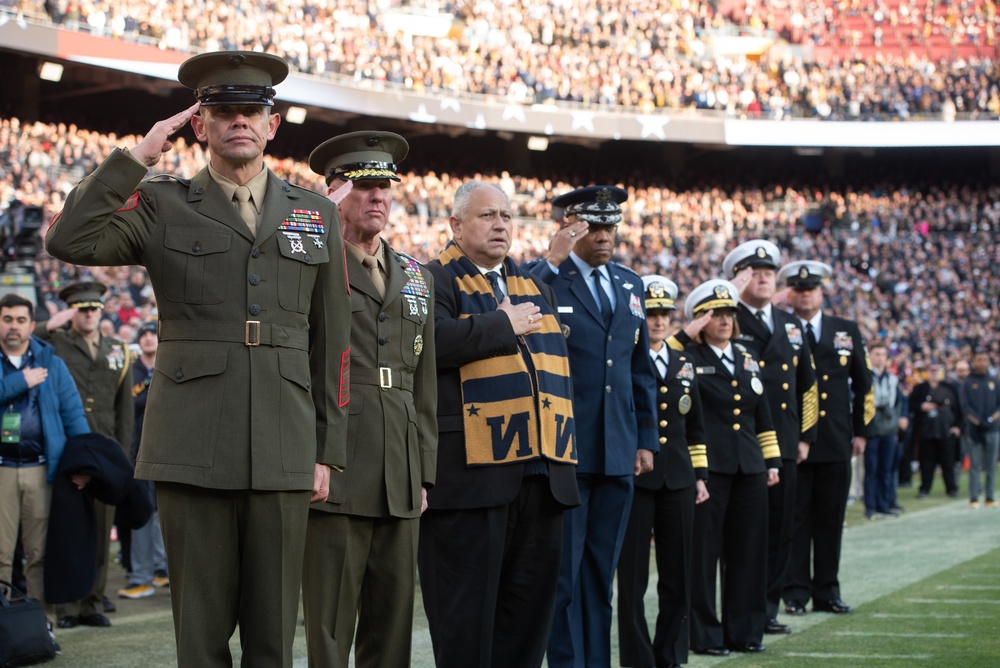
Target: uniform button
{"points": [[784, 367], [611, 362], [784, 405], [663, 423], [823, 396], [663, 407], [254, 309], [382, 317], [178, 374], [736, 411], [255, 253], [736, 383], [308, 384], [609, 337], [196, 248], [826, 377], [663, 440], [762, 364], [663, 389], [822, 413], [784, 386], [736, 427], [382, 340], [737, 397], [254, 279], [307, 257], [607, 389]]}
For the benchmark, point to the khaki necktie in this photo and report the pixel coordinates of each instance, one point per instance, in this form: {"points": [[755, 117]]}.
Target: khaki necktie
{"points": [[371, 263], [245, 208]]}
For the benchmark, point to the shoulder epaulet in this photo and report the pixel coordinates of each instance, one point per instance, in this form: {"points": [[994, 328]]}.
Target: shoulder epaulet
{"points": [[160, 178], [625, 269], [408, 258], [305, 189]]}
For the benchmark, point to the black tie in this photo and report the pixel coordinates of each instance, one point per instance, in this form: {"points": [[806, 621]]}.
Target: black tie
{"points": [[602, 297], [811, 335], [494, 278], [661, 367], [731, 364], [763, 320]]}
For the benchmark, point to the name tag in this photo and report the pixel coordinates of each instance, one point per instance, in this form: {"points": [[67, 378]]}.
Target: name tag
{"points": [[707, 370], [565, 309]]}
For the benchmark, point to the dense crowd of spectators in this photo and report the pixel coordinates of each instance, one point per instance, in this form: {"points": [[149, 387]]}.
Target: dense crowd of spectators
{"points": [[639, 54], [918, 267]]}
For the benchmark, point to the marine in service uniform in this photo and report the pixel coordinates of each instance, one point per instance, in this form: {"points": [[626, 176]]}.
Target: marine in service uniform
{"points": [[361, 544], [743, 461], [846, 406], [663, 502], [614, 399], [248, 409], [775, 339], [101, 367]]}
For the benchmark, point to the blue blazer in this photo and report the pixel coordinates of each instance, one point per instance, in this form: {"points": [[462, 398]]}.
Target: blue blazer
{"points": [[614, 384]]}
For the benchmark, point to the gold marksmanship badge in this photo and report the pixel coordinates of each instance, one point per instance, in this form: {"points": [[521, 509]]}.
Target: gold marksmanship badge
{"points": [[684, 404], [418, 345]]}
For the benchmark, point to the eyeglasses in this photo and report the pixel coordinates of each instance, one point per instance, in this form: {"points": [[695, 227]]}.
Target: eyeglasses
{"points": [[86, 309]]}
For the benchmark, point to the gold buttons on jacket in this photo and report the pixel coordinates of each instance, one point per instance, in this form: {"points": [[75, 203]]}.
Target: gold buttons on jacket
{"points": [[663, 423], [784, 367], [663, 440], [826, 377], [823, 396], [784, 405], [736, 411], [663, 407], [663, 389], [736, 383], [736, 427], [761, 364], [822, 413], [737, 397], [784, 386]]}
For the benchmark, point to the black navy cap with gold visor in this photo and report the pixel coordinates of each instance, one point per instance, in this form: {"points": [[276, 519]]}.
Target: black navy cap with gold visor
{"points": [[660, 292], [805, 274], [711, 295], [84, 294], [359, 156], [597, 205], [233, 77]]}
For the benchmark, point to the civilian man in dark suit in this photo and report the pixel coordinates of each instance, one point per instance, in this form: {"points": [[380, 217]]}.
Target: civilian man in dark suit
{"points": [[776, 341], [664, 501], [248, 411], [361, 545], [614, 386], [846, 406], [491, 538]]}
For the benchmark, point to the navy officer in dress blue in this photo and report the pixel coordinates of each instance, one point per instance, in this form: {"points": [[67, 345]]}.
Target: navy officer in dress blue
{"points": [[614, 386]]}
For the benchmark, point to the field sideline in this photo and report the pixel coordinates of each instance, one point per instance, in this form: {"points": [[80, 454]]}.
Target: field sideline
{"points": [[911, 608]]}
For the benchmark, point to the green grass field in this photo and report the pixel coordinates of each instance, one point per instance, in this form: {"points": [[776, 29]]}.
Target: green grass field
{"points": [[925, 586]]}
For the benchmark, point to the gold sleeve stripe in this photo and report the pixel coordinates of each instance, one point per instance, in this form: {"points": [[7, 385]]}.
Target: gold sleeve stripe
{"points": [[769, 444], [699, 456], [870, 406], [674, 344], [810, 407]]}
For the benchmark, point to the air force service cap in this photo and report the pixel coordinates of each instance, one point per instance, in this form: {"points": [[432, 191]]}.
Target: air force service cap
{"points": [[233, 77], [660, 292], [710, 295], [597, 205], [359, 156], [84, 294], [805, 274], [753, 253]]}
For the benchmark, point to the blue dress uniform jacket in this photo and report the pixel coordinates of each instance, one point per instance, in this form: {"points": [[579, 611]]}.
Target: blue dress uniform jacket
{"points": [[224, 414], [615, 409]]}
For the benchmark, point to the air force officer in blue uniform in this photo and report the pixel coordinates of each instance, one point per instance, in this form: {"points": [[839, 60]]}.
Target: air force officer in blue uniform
{"points": [[601, 310]]}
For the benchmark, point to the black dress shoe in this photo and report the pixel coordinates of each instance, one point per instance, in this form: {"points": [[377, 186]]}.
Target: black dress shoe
{"points": [[834, 605], [751, 647], [774, 626], [68, 622], [108, 604], [96, 619], [714, 651], [795, 608]]}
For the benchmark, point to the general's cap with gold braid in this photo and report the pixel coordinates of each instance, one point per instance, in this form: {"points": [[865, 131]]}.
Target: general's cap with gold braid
{"points": [[597, 205], [85, 294], [660, 292], [805, 274], [753, 253], [710, 295], [359, 156], [233, 77]]}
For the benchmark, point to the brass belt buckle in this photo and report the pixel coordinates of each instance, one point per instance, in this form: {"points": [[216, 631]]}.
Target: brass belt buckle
{"points": [[251, 336], [385, 377]]}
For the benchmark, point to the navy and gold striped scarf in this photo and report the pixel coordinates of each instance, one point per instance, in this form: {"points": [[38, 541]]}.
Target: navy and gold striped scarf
{"points": [[504, 420]]}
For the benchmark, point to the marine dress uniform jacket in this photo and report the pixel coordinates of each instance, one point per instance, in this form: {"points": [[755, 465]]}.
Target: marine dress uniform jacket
{"points": [[216, 418]]}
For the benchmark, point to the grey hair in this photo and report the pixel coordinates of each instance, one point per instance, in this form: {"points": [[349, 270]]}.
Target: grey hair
{"points": [[460, 205]]}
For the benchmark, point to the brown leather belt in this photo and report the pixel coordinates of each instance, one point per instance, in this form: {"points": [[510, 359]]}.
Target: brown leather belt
{"points": [[250, 333], [382, 377]]}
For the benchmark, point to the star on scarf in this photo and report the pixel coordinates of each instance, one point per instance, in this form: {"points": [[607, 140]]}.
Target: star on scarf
{"points": [[473, 410]]}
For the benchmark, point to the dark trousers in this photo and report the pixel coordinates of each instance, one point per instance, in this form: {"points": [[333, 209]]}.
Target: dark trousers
{"points": [[820, 504], [488, 578], [668, 515], [780, 528], [880, 458], [732, 527], [92, 604], [235, 558], [936, 452]]}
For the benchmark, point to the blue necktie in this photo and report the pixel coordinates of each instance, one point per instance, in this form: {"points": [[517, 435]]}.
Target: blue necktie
{"points": [[811, 335], [494, 278], [602, 297]]}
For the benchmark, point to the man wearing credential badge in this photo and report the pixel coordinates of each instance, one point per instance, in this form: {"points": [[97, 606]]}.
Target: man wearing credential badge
{"points": [[248, 409], [361, 544]]}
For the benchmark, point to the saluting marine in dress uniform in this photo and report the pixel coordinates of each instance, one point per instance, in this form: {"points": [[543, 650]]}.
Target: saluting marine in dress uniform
{"points": [[775, 339], [248, 410], [846, 406], [743, 460], [101, 368], [663, 502], [361, 545]]}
